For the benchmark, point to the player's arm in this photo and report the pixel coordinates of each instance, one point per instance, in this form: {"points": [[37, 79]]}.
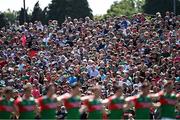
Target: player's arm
{"points": [[85, 103], [16, 107], [156, 105], [126, 106], [14, 111], [37, 107], [61, 98], [106, 102], [178, 96], [83, 108], [155, 98], [177, 100], [130, 102]]}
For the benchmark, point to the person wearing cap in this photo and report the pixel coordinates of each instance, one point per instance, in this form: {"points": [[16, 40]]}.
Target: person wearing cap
{"points": [[168, 100], [94, 104], [48, 103], [116, 103], [6, 104], [142, 102], [26, 106], [72, 102]]}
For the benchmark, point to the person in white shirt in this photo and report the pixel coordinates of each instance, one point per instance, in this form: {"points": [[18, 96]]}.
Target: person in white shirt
{"points": [[93, 72]]}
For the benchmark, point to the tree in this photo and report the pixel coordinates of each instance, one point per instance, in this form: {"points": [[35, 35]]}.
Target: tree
{"points": [[154, 6], [37, 14], [60, 9], [3, 20], [125, 7], [44, 16], [21, 16], [139, 4], [10, 15], [98, 17]]}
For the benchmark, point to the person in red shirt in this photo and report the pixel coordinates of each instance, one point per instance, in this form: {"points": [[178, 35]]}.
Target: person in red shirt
{"points": [[35, 92], [2, 63]]}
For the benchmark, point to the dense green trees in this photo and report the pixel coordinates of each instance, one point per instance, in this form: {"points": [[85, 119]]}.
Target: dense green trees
{"points": [[57, 9], [20, 16], [37, 14], [3, 20], [60, 9], [10, 15], [125, 7], [129, 7], [153, 6]]}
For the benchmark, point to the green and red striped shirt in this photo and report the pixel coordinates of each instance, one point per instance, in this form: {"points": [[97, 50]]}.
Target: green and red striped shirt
{"points": [[72, 105], [48, 107], [116, 107], [26, 107], [95, 108], [168, 102], [143, 106], [6, 108]]}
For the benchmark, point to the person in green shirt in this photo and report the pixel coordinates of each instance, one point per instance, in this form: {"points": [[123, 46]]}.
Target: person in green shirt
{"points": [[178, 111], [116, 103], [142, 102], [48, 104], [72, 102], [94, 104], [168, 100], [6, 104], [26, 107]]}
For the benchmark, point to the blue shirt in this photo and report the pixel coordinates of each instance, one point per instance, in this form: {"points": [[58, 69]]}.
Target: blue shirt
{"points": [[103, 77], [72, 79]]}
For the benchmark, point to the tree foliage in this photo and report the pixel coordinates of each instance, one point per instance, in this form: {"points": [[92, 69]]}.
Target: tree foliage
{"points": [[154, 6], [3, 20], [10, 15], [125, 7], [60, 9], [20, 16], [44, 16], [37, 14]]}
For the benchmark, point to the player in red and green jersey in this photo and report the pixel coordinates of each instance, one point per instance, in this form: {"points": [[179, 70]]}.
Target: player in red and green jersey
{"points": [[142, 103], [178, 110], [168, 100], [72, 102], [94, 104], [116, 103], [6, 104], [48, 104], [26, 107]]}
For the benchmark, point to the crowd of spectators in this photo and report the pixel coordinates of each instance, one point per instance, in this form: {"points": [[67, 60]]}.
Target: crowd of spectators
{"points": [[118, 50]]}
